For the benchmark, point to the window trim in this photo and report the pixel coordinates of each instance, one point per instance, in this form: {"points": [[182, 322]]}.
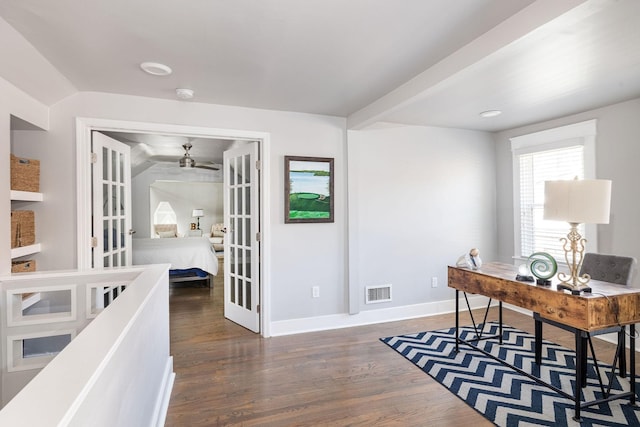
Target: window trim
{"points": [[582, 133]]}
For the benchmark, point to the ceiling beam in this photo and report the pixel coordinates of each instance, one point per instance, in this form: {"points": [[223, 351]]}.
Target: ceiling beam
{"points": [[528, 19]]}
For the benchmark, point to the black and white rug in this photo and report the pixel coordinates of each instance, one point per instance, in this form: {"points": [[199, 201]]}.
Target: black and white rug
{"points": [[500, 393]]}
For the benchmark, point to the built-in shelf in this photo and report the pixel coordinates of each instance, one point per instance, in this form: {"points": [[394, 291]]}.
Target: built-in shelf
{"points": [[25, 250], [26, 196]]}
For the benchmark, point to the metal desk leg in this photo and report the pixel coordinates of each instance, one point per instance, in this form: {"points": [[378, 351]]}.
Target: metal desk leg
{"points": [[632, 362], [622, 358], [500, 320], [457, 319], [538, 341], [580, 354], [585, 355]]}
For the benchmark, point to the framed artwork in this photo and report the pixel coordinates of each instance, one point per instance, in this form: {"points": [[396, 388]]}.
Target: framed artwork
{"points": [[308, 189]]}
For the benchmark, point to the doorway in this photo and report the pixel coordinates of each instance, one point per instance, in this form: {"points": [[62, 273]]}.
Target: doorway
{"points": [[86, 126]]}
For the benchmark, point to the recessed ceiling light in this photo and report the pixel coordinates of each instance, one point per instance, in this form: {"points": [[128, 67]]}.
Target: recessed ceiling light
{"points": [[184, 93], [156, 68], [490, 113]]}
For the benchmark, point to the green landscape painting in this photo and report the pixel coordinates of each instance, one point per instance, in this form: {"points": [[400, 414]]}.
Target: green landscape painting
{"points": [[309, 189]]}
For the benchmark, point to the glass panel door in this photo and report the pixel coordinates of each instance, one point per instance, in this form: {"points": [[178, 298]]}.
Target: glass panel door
{"points": [[111, 203], [242, 284]]}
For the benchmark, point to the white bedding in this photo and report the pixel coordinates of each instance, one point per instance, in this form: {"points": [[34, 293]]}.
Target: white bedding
{"points": [[180, 252]]}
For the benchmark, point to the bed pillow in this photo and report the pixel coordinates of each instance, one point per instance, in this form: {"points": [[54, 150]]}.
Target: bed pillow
{"points": [[216, 230], [165, 234]]}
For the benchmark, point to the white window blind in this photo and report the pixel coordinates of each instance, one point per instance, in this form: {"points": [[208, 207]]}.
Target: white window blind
{"points": [[560, 153], [536, 234]]}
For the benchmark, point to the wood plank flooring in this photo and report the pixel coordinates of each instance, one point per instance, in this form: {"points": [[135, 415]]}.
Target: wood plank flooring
{"points": [[229, 376]]}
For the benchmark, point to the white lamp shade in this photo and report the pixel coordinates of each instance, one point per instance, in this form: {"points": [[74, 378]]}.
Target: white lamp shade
{"points": [[197, 213], [578, 201]]}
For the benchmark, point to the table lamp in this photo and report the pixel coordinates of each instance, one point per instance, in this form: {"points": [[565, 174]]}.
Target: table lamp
{"points": [[197, 213], [576, 202]]}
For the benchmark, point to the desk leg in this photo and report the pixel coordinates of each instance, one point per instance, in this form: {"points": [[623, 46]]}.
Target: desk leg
{"points": [[538, 341], [585, 356], [579, 377], [632, 361], [622, 357], [500, 320], [457, 319]]}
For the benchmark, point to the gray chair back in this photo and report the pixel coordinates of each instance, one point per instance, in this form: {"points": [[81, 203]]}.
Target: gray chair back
{"points": [[608, 268]]}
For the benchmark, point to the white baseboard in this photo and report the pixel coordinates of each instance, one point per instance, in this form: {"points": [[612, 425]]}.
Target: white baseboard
{"points": [[337, 321], [368, 317], [164, 395]]}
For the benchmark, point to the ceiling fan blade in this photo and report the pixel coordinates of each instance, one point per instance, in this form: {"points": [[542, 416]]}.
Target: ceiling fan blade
{"points": [[213, 168]]}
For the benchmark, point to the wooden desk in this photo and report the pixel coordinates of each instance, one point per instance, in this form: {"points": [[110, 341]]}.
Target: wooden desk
{"points": [[607, 305]]}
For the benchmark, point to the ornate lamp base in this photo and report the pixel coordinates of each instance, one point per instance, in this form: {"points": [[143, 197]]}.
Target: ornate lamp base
{"points": [[573, 247]]}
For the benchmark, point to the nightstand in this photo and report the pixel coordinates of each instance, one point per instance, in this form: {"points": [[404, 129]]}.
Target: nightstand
{"points": [[195, 233]]}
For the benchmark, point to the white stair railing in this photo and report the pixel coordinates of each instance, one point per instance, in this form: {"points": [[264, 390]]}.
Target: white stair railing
{"points": [[62, 332]]}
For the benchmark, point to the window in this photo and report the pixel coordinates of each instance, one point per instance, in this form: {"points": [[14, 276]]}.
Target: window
{"points": [[556, 154], [164, 214]]}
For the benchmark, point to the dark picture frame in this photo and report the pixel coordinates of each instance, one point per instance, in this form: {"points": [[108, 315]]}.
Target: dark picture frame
{"points": [[308, 189]]}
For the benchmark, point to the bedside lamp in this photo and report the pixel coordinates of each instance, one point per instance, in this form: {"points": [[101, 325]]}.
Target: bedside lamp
{"points": [[197, 213], [576, 202]]}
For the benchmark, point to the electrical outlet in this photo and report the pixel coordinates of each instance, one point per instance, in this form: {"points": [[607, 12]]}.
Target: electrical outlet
{"points": [[434, 282], [315, 291]]}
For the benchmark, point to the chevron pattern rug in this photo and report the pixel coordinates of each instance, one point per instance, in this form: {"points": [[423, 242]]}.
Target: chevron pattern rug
{"points": [[501, 394]]}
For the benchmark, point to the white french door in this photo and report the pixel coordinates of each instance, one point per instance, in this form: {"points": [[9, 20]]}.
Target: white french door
{"points": [[111, 202], [241, 244]]}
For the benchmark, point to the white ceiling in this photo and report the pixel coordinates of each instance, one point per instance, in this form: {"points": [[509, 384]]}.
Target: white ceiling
{"points": [[425, 62]]}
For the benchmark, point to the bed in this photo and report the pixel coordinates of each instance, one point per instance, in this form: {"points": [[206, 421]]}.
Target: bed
{"points": [[191, 258]]}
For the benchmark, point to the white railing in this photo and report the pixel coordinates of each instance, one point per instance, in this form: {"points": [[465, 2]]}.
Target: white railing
{"points": [[73, 354]]}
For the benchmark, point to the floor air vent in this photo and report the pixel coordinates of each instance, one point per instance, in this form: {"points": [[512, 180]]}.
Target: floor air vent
{"points": [[376, 294]]}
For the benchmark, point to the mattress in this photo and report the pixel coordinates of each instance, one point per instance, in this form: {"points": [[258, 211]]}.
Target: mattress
{"points": [[181, 252]]}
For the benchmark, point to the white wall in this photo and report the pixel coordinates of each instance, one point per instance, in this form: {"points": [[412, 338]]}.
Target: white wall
{"points": [[419, 198], [318, 248], [184, 197], [617, 156], [429, 163], [446, 161], [182, 191]]}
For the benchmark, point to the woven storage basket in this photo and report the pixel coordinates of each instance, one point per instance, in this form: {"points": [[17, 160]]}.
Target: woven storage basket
{"points": [[23, 266], [25, 174], [23, 228]]}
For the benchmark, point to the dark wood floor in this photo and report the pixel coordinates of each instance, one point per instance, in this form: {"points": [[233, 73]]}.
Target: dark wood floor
{"points": [[226, 375]]}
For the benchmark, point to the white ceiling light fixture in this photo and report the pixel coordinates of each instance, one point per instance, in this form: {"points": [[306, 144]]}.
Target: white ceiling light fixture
{"points": [[156, 69], [184, 93], [490, 113]]}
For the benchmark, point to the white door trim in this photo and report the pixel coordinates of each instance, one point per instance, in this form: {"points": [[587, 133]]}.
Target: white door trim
{"points": [[84, 127]]}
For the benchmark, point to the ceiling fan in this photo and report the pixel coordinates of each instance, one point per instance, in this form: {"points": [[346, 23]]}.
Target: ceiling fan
{"points": [[186, 161]]}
